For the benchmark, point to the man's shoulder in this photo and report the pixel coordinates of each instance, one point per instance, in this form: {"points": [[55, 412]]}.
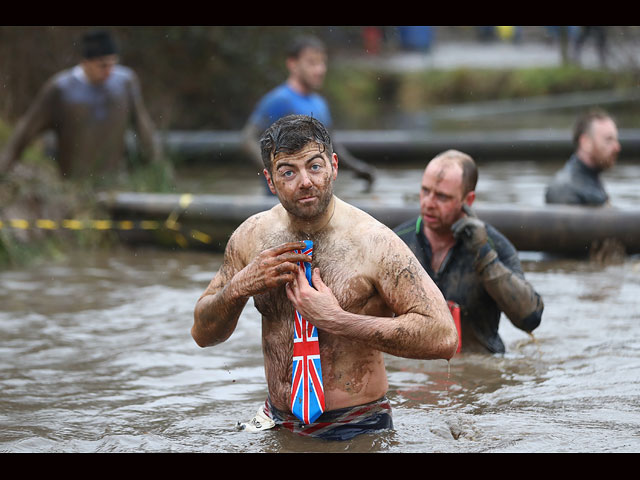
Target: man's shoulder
{"points": [[365, 229], [277, 93], [261, 220], [124, 71], [60, 79], [123, 74], [500, 242], [406, 228]]}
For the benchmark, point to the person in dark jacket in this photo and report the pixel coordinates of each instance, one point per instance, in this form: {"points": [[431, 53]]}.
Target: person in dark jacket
{"points": [[475, 266], [596, 149]]}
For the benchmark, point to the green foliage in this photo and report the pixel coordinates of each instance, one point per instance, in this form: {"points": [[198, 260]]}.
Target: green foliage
{"points": [[361, 95]]}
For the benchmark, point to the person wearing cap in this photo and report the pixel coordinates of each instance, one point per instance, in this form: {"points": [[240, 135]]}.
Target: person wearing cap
{"points": [[89, 107]]}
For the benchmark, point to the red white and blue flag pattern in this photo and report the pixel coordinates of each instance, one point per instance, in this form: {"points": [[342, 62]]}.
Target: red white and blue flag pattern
{"points": [[307, 392]]}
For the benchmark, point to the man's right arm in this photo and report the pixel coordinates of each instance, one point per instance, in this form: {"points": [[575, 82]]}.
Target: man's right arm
{"points": [[37, 119], [218, 309]]}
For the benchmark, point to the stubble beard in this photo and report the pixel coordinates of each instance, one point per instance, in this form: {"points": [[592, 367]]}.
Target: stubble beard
{"points": [[323, 195]]}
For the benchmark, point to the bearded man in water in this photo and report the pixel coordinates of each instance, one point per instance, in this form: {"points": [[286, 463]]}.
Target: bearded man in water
{"points": [[370, 295]]}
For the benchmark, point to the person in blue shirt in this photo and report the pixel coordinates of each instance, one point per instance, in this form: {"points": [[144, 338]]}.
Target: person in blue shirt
{"points": [[307, 65]]}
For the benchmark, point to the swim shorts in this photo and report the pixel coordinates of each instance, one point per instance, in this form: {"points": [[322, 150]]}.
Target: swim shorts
{"points": [[340, 424]]}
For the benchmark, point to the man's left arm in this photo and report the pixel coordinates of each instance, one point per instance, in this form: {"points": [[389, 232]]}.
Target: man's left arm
{"points": [[422, 326], [501, 274], [148, 142], [361, 168]]}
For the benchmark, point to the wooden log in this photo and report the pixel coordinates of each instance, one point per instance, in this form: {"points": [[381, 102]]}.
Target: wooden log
{"points": [[553, 228]]}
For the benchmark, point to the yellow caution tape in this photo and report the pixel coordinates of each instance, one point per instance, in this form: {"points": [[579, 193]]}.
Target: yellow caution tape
{"points": [[201, 237], [73, 224], [170, 223], [47, 224], [17, 223]]}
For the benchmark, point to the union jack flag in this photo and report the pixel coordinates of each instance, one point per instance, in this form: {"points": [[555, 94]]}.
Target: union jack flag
{"points": [[307, 391]]}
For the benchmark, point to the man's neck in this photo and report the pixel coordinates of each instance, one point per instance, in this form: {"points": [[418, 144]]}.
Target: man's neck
{"points": [[585, 159], [298, 87], [439, 241]]}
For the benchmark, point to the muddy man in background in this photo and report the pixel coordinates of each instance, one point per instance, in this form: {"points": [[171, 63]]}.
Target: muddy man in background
{"points": [[89, 108], [474, 265]]}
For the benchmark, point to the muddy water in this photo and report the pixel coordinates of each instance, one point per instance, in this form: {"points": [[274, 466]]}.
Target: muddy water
{"points": [[96, 356]]}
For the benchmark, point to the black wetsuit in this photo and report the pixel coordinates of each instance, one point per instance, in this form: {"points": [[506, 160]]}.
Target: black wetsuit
{"points": [[576, 184], [460, 283]]}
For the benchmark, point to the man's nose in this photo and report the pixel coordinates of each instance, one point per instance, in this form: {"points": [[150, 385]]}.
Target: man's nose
{"points": [[305, 181]]}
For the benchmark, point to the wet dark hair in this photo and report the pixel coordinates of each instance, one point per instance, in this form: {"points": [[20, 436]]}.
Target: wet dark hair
{"points": [[291, 134], [304, 41], [583, 123]]}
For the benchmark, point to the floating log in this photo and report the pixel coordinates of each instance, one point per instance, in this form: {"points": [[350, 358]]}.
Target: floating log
{"points": [[207, 221]]}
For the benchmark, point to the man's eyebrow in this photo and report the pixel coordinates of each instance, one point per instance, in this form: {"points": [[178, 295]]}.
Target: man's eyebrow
{"points": [[317, 155], [437, 192], [284, 163]]}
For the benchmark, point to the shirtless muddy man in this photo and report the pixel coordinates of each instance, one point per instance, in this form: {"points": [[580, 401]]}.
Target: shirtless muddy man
{"points": [[370, 294]]}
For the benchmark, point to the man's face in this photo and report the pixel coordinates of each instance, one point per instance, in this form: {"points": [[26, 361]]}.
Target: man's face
{"points": [[98, 69], [303, 181], [310, 68], [441, 196], [601, 143]]}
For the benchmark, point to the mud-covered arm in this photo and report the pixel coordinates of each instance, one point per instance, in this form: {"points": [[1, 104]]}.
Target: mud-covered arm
{"points": [[513, 294], [148, 142], [422, 326], [502, 278], [218, 309], [251, 144], [361, 168], [37, 119]]}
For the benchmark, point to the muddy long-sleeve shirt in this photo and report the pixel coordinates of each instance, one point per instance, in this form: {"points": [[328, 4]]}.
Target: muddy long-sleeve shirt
{"points": [[482, 296], [90, 123]]}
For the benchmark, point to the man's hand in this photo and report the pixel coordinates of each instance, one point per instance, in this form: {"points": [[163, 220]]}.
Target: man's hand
{"points": [[271, 268], [316, 304], [471, 231]]}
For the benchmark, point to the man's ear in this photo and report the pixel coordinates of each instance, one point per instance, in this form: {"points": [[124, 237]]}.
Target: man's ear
{"points": [[470, 197], [334, 165], [585, 142], [269, 181]]}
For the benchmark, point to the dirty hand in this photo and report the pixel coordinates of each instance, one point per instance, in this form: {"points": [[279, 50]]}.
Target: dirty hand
{"points": [[272, 268], [316, 304], [471, 231]]}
